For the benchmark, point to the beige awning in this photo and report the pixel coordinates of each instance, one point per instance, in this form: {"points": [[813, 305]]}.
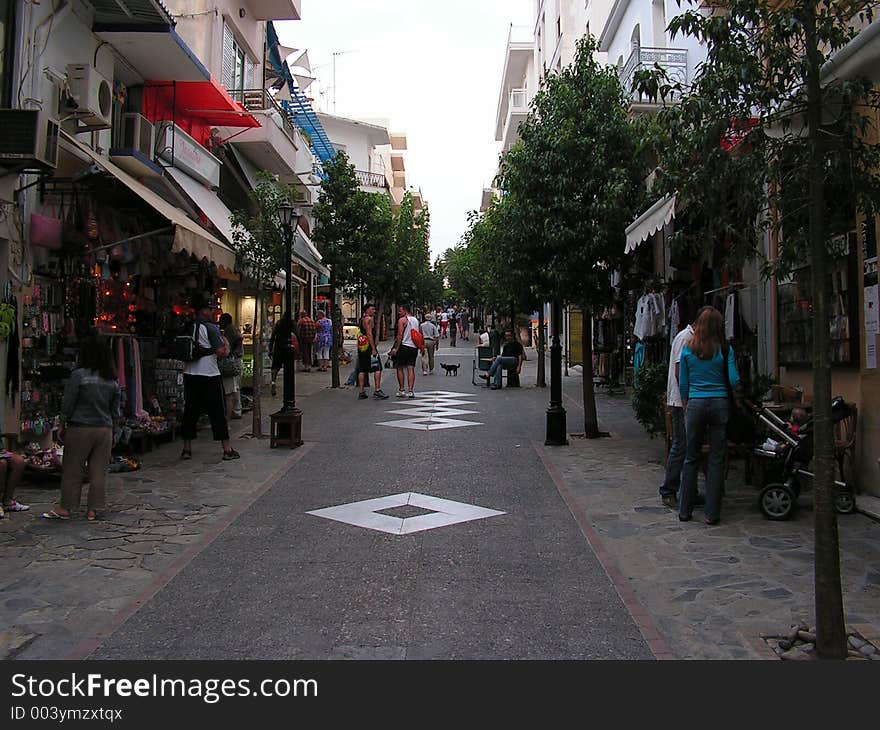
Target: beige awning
{"points": [[189, 236], [649, 222]]}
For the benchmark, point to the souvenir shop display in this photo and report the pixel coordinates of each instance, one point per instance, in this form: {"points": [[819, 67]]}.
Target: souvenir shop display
{"points": [[43, 463], [608, 347]]}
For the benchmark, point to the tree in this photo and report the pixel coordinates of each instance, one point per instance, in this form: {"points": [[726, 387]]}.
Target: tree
{"points": [[348, 223], [260, 253], [573, 183], [800, 169]]}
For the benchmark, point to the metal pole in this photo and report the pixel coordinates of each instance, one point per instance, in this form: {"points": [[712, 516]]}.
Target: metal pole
{"points": [[557, 432], [289, 354]]}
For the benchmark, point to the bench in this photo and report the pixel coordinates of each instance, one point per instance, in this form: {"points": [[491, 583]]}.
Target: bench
{"points": [[482, 363]]}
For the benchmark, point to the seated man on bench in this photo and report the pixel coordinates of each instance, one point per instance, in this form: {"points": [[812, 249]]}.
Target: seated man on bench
{"points": [[510, 359]]}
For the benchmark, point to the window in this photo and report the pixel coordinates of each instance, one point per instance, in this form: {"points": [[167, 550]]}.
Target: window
{"points": [[237, 71], [795, 311]]}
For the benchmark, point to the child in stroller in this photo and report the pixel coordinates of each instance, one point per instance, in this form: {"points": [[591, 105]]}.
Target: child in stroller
{"points": [[791, 448]]}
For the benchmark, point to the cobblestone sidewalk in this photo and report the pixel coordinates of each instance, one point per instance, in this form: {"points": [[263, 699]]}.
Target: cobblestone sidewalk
{"points": [[711, 591], [61, 582]]}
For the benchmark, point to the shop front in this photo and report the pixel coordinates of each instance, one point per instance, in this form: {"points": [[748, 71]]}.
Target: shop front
{"points": [[110, 255]]}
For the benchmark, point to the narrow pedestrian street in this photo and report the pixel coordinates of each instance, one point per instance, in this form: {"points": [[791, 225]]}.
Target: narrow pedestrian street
{"points": [[484, 544]]}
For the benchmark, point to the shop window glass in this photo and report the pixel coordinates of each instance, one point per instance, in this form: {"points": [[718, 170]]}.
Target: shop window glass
{"points": [[796, 312]]}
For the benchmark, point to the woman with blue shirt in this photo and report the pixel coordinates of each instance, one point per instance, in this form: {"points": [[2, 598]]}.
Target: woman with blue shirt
{"points": [[704, 396]]}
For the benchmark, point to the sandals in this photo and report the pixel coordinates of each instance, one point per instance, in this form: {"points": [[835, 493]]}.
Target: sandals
{"points": [[186, 454], [15, 506], [230, 455], [53, 515], [92, 515]]}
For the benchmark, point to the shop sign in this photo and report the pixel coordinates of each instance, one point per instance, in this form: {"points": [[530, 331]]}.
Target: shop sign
{"points": [[183, 152]]}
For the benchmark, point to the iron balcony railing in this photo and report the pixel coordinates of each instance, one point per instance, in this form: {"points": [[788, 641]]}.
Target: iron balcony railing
{"points": [[371, 179], [672, 60], [256, 100]]}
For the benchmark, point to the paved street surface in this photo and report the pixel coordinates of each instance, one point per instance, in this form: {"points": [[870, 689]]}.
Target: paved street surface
{"points": [[477, 542]]}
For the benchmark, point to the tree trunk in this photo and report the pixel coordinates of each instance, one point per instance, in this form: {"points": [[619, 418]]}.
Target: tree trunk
{"points": [[257, 409], [591, 419], [380, 315], [830, 622], [542, 377], [336, 317]]}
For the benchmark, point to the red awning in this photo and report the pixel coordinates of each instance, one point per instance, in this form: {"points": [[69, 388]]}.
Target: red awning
{"points": [[207, 101]]}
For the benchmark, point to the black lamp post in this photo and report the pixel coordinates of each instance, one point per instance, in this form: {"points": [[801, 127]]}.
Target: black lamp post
{"points": [[556, 429], [289, 217]]}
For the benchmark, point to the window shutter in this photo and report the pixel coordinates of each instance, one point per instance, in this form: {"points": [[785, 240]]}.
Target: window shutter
{"points": [[227, 70], [250, 75]]}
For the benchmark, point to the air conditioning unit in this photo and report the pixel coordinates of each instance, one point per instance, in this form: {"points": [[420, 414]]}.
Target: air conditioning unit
{"points": [[93, 95], [29, 139], [137, 134]]}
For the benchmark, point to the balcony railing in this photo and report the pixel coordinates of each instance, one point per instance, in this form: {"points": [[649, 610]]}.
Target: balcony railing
{"points": [[256, 100], [672, 60], [519, 101], [371, 179]]}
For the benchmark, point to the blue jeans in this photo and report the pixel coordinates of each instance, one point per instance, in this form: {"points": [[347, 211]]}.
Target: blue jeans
{"points": [[702, 415], [499, 364], [677, 451]]}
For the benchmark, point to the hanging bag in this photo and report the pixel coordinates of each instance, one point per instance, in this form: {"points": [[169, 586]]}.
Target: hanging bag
{"points": [[415, 335], [47, 225]]}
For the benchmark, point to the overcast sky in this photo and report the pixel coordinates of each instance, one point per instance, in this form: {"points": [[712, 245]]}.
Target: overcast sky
{"points": [[432, 68]]}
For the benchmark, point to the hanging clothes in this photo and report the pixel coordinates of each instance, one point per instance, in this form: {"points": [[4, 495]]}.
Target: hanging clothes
{"points": [[674, 319], [730, 316]]}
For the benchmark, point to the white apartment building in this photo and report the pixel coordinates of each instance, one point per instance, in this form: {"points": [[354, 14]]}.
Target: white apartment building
{"points": [[635, 37]]}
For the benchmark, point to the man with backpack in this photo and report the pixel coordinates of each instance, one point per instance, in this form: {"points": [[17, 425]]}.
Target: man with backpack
{"points": [[202, 383], [306, 331]]}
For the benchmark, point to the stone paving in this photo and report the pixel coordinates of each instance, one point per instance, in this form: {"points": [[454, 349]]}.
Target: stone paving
{"points": [[61, 581], [711, 592]]}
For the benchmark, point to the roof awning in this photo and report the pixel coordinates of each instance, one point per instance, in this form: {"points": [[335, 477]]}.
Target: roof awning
{"points": [[206, 200], [309, 256], [649, 222], [204, 100], [189, 236], [131, 13]]}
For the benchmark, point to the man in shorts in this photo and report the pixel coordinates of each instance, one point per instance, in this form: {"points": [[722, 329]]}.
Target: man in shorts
{"points": [[406, 352], [368, 356]]}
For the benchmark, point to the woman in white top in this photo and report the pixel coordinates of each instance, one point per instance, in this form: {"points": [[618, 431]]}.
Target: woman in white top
{"points": [[444, 323]]}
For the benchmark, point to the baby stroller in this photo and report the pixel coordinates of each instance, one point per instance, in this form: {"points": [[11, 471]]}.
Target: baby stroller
{"points": [[791, 456]]}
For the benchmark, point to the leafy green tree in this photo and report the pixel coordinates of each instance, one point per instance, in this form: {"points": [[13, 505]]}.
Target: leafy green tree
{"points": [[260, 253], [800, 169], [573, 183], [348, 222]]}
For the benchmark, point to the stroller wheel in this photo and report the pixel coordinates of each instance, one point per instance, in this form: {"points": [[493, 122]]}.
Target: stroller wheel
{"points": [[845, 503], [777, 502]]}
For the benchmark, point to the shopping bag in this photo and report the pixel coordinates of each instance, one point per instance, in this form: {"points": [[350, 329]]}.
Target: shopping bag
{"points": [[47, 226]]}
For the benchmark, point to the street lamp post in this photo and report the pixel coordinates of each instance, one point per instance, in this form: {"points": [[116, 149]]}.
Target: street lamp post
{"points": [[289, 217], [556, 429]]}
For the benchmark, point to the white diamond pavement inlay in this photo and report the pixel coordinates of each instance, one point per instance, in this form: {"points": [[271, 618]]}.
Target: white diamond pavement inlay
{"points": [[432, 411], [365, 513]]}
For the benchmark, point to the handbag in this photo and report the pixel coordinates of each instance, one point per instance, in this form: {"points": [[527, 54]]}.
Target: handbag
{"points": [[47, 226], [416, 336], [230, 366], [740, 425]]}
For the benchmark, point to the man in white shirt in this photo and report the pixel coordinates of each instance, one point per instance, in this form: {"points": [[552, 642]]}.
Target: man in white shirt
{"points": [[678, 447], [432, 341], [202, 383]]}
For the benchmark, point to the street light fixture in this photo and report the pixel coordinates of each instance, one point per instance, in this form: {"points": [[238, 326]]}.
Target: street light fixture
{"points": [[288, 216]]}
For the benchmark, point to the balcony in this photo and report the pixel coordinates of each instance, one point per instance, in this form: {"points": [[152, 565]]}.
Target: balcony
{"points": [[517, 110], [275, 9], [371, 179], [673, 61], [277, 146]]}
